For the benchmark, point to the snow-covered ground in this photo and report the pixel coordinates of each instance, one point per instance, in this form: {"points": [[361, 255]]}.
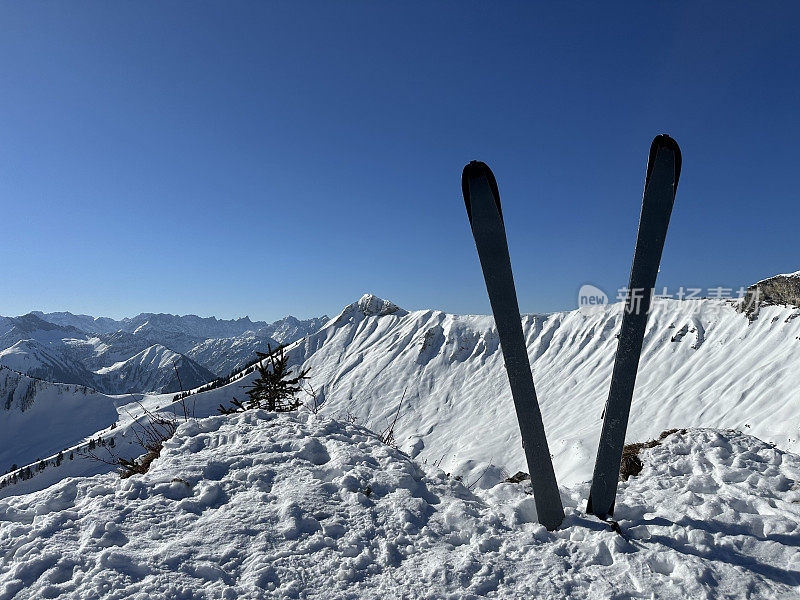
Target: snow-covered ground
{"points": [[301, 506]]}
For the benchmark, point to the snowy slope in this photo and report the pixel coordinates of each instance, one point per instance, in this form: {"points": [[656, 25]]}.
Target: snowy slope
{"points": [[39, 418], [44, 361], [258, 505]]}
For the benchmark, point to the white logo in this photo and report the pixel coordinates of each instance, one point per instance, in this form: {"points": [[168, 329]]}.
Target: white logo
{"points": [[590, 295]]}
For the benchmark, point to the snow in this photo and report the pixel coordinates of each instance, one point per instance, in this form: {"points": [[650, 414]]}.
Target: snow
{"points": [[259, 505], [229, 354]]}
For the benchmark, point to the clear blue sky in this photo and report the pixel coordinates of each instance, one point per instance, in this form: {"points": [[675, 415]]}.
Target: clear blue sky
{"points": [[266, 158]]}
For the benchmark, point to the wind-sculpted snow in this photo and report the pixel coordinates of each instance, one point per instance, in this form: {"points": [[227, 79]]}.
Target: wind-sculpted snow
{"points": [[259, 506]]}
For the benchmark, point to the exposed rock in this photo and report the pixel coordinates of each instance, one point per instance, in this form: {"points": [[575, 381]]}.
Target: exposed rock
{"points": [[519, 477], [780, 289], [631, 465]]}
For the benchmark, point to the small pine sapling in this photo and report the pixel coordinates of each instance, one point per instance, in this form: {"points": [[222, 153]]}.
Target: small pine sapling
{"points": [[275, 389]]}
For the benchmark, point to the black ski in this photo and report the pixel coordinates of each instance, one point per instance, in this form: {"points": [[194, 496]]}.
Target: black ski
{"points": [[482, 200], [661, 183]]}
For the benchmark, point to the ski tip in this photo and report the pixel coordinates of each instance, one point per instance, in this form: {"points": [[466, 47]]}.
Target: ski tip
{"points": [[474, 170], [664, 142]]}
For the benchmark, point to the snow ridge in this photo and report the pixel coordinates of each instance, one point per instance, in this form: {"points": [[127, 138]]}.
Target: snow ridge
{"points": [[704, 364]]}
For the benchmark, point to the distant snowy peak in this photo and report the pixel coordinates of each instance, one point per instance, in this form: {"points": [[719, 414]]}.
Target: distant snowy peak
{"points": [[290, 329], [156, 369], [156, 355], [199, 329], [152, 369], [190, 325], [30, 323], [84, 323], [370, 305], [229, 355], [41, 361], [373, 306]]}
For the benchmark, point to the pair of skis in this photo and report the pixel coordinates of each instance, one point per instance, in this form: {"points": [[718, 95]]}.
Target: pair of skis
{"points": [[482, 200]]}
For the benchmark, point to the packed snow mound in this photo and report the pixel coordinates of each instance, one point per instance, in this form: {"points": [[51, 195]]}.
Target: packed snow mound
{"points": [[258, 505]]}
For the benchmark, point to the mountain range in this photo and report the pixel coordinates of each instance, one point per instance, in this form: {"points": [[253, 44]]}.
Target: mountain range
{"points": [[147, 353], [440, 376]]}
